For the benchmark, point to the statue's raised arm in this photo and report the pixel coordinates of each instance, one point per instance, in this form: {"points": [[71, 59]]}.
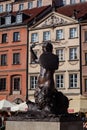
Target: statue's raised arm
{"points": [[33, 55]]}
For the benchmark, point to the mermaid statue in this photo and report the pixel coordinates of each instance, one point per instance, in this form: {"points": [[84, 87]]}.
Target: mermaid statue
{"points": [[47, 97]]}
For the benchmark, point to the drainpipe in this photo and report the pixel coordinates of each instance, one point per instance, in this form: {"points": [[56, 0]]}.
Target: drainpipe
{"points": [[27, 65], [80, 60]]}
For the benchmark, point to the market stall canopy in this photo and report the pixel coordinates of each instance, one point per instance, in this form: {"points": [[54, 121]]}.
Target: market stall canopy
{"points": [[21, 107], [5, 105]]}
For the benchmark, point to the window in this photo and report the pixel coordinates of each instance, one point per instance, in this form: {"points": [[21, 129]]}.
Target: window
{"points": [[73, 53], [3, 59], [60, 53], [82, 0], [8, 20], [59, 81], [46, 36], [16, 36], [34, 37], [72, 1], [59, 34], [73, 81], [16, 84], [16, 58], [39, 3], [73, 32], [85, 85], [4, 38], [85, 34], [8, 7], [85, 58], [64, 2], [33, 82], [21, 6], [19, 18], [1, 8], [2, 84], [30, 5]]}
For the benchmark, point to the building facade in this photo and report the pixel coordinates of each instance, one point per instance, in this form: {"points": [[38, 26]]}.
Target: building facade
{"points": [[64, 34], [13, 52], [64, 31], [13, 65], [18, 5]]}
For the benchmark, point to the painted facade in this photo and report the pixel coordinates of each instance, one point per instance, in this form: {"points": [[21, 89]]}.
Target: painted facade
{"points": [[13, 53], [13, 64]]}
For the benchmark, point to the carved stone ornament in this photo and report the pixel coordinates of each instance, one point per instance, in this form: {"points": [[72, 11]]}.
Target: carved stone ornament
{"points": [[54, 20]]}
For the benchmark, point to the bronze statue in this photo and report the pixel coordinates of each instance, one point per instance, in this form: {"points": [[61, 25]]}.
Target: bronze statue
{"points": [[47, 98]]}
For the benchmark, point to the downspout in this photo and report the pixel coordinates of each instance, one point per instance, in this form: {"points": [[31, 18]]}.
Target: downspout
{"points": [[80, 61], [27, 65]]}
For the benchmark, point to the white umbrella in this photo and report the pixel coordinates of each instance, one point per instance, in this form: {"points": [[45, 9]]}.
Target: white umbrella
{"points": [[21, 107], [5, 105]]}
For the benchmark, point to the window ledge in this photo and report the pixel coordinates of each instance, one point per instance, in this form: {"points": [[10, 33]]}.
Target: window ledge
{"points": [[72, 37], [4, 65], [85, 42], [61, 88], [17, 41], [62, 61], [60, 39], [4, 42], [16, 92], [74, 88], [16, 64], [73, 60]]}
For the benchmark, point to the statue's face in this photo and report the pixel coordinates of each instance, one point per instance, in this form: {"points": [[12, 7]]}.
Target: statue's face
{"points": [[44, 48]]}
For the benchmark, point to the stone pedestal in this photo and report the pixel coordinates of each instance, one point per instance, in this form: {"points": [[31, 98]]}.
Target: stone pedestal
{"points": [[64, 124]]}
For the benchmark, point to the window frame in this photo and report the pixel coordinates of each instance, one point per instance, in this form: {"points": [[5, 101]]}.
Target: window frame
{"points": [[8, 20], [18, 87], [85, 81], [85, 36], [59, 81], [1, 8], [30, 5], [3, 59], [72, 2], [60, 53], [59, 34], [74, 83], [21, 7], [82, 1], [33, 81], [19, 18], [86, 58], [73, 54], [34, 37], [8, 7], [39, 3], [64, 2], [4, 38], [3, 84], [46, 36], [73, 32], [16, 36], [16, 58]]}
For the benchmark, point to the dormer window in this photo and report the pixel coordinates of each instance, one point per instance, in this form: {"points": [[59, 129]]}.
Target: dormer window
{"points": [[39, 3], [21, 7], [19, 18], [1, 8], [30, 5], [8, 7], [8, 20]]}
